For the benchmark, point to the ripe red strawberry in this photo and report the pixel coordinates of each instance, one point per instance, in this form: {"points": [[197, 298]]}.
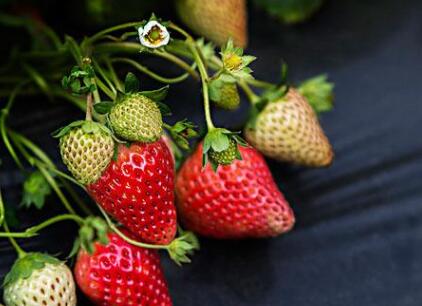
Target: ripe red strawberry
{"points": [[240, 200], [121, 274], [137, 189]]}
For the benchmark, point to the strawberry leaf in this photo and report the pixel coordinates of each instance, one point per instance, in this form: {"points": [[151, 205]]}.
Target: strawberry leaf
{"points": [[35, 190], [131, 83]]}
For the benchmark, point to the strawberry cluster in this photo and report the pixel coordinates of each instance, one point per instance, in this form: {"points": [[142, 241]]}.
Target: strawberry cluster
{"points": [[130, 163]]}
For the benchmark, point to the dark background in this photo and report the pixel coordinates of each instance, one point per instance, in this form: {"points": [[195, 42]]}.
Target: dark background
{"points": [[359, 223]]}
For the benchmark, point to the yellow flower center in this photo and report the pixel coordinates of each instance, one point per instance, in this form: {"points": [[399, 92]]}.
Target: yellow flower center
{"points": [[232, 61]]}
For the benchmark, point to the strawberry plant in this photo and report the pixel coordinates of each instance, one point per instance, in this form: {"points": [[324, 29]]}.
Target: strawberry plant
{"points": [[130, 162]]}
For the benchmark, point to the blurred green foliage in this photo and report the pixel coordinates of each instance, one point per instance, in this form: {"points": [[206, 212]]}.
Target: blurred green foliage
{"points": [[290, 11]]}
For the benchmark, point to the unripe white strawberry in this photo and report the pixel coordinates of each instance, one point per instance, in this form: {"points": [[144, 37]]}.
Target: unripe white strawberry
{"points": [[39, 279]]}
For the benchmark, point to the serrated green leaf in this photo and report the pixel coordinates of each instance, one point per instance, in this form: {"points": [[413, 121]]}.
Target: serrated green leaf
{"points": [[156, 95], [131, 83]]}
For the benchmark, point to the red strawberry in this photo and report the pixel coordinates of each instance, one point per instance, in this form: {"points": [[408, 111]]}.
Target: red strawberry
{"points": [[240, 200], [121, 274], [138, 191]]}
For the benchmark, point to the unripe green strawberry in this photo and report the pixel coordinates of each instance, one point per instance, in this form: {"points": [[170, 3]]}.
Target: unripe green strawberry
{"points": [[136, 118], [288, 130], [225, 157], [86, 148], [39, 279], [217, 20], [229, 97]]}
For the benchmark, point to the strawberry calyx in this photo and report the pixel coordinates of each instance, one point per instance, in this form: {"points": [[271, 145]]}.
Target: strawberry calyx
{"points": [[26, 265], [235, 63], [87, 126], [220, 147], [92, 230], [318, 92]]}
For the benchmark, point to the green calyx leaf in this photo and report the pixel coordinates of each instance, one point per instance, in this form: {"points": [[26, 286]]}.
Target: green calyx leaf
{"points": [[235, 63], [35, 190], [79, 81], [182, 247], [319, 93], [94, 229], [103, 107], [132, 84], [25, 266], [157, 95], [181, 132], [220, 147], [89, 127], [207, 49]]}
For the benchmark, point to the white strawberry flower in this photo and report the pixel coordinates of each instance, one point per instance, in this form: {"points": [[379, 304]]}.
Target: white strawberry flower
{"points": [[153, 35]]}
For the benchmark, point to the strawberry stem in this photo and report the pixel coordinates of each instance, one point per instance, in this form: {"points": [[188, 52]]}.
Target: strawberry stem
{"points": [[113, 74], [88, 114], [3, 116], [102, 73], [178, 249], [252, 97], [48, 177], [21, 253], [66, 217], [152, 74], [104, 32], [204, 80]]}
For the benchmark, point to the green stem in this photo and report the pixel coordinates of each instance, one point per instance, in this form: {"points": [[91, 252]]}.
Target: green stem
{"points": [[150, 73], [129, 47], [51, 221], [177, 61], [131, 241], [4, 113], [105, 89], [100, 34], [100, 70], [21, 253], [204, 80], [252, 97], [113, 74], [113, 47], [260, 84], [46, 162], [180, 30]]}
